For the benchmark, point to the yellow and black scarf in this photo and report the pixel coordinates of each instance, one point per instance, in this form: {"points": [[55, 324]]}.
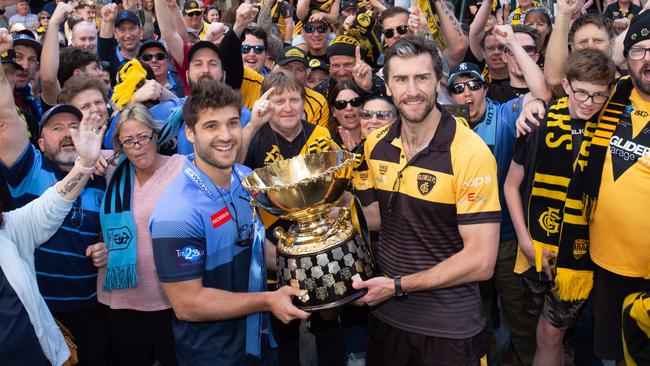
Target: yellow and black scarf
{"points": [[555, 213], [636, 329]]}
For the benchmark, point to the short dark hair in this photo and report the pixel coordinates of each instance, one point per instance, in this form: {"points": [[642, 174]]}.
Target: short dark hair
{"points": [[484, 36], [77, 84], [282, 82], [590, 65], [413, 45], [257, 32], [601, 22], [392, 12], [532, 32], [209, 94], [73, 58]]}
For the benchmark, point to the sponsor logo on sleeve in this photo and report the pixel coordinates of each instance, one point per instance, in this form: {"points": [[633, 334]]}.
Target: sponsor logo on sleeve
{"points": [[189, 255]]}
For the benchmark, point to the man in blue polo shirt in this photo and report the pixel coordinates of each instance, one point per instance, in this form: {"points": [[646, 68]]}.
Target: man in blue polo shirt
{"points": [[209, 247], [66, 264], [495, 124]]}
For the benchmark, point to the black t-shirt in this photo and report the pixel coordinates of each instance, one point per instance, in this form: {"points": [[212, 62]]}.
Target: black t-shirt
{"points": [[18, 342], [613, 11], [503, 92]]}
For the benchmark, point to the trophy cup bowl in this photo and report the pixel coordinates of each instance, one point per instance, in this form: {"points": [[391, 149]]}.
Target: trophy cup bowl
{"points": [[319, 254]]}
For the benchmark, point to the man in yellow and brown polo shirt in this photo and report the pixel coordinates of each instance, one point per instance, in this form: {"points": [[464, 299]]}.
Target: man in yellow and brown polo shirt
{"points": [[434, 199]]}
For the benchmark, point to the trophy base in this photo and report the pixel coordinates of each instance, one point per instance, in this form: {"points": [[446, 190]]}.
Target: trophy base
{"points": [[327, 274]]}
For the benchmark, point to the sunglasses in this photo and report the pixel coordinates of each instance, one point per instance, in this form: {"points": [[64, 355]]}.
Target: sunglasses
{"points": [[472, 85], [401, 30], [77, 214], [148, 57], [342, 104], [380, 115], [246, 49], [530, 50], [41, 18], [318, 28], [194, 14]]}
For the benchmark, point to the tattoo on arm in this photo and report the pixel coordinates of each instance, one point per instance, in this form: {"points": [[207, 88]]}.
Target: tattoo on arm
{"points": [[70, 185]]}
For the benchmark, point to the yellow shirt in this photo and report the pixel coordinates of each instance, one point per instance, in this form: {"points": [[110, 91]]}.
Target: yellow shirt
{"points": [[619, 237]]}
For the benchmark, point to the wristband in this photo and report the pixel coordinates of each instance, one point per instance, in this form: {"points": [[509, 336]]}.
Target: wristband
{"points": [[82, 169]]}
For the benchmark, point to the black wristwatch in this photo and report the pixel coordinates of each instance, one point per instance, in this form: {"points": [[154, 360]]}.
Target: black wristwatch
{"points": [[399, 292]]}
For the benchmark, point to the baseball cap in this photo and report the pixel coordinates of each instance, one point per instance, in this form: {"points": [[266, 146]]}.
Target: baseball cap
{"points": [[9, 57], [347, 4], [465, 69], [200, 45], [125, 15], [151, 44], [26, 38], [318, 64], [56, 109], [639, 30], [290, 54], [191, 7]]}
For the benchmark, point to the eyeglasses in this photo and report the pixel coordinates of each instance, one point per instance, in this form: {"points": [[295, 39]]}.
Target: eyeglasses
{"points": [[140, 140], [77, 214], [401, 30], [473, 85], [194, 14], [380, 115], [499, 48], [530, 50], [246, 49], [148, 57], [637, 53], [315, 28], [342, 104], [582, 96]]}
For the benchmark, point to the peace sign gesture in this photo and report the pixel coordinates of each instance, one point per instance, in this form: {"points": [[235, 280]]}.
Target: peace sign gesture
{"points": [[261, 112], [362, 73]]}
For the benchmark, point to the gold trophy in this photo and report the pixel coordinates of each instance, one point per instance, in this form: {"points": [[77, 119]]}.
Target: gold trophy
{"points": [[319, 254]]}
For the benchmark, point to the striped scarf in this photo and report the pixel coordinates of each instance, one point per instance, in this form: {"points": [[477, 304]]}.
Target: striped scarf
{"points": [[555, 215], [636, 329]]}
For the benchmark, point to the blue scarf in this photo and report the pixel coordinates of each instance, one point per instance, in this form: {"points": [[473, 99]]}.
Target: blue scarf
{"points": [[118, 224]]}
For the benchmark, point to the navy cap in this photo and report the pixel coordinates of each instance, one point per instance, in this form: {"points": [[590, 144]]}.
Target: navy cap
{"points": [[28, 40], [192, 6], [56, 109], [151, 44], [9, 57], [318, 64], [200, 45], [125, 15], [465, 69], [290, 54], [639, 30]]}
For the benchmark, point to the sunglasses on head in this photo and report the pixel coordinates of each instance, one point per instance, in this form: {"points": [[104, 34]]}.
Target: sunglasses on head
{"points": [[401, 30], [322, 28], [148, 57], [246, 49], [380, 115], [194, 14], [472, 85], [342, 104]]}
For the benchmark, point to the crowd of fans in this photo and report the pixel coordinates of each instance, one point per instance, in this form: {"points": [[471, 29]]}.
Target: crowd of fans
{"points": [[502, 167]]}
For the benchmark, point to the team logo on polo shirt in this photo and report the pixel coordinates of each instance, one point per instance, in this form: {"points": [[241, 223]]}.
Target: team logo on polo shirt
{"points": [[426, 182]]}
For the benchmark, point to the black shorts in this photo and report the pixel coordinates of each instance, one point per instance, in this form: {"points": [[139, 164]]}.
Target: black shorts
{"points": [[610, 289], [390, 346], [539, 298]]}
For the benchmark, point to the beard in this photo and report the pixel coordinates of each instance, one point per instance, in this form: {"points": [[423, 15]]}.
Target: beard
{"points": [[201, 78], [637, 79], [62, 158], [206, 153], [419, 115]]}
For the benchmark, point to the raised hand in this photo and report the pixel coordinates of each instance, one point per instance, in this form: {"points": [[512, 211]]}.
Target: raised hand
{"points": [[246, 13], [261, 112], [108, 13], [569, 8], [505, 35], [416, 22], [61, 13], [362, 72], [130, 5], [151, 90], [215, 32], [87, 138], [6, 42]]}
